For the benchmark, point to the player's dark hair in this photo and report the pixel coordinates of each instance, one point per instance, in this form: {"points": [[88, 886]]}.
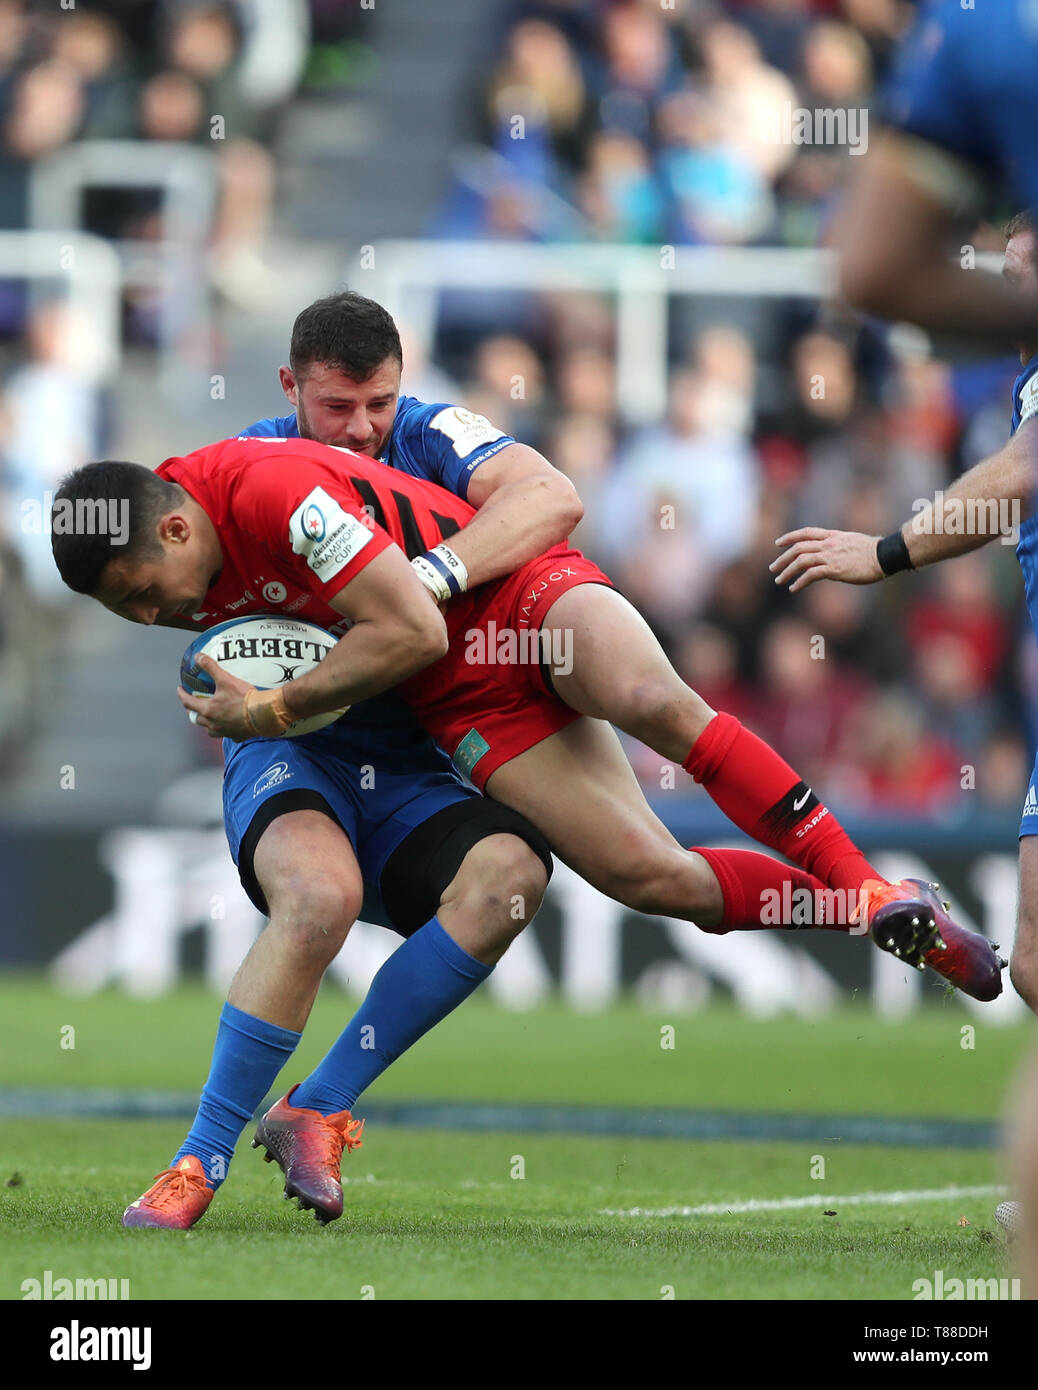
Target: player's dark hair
{"points": [[129, 495], [345, 331], [1020, 224]]}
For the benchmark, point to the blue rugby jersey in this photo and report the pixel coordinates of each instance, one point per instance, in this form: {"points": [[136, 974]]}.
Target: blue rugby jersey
{"points": [[441, 442], [966, 80], [1025, 407]]}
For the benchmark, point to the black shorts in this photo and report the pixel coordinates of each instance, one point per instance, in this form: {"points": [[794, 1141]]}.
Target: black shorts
{"points": [[418, 871]]}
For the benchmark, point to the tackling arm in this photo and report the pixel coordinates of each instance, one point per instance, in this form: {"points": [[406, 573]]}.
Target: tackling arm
{"points": [[524, 507]]}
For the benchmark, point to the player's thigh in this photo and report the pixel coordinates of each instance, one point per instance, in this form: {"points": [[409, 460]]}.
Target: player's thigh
{"points": [[467, 857], [1024, 963], [579, 789], [607, 662], [308, 871]]}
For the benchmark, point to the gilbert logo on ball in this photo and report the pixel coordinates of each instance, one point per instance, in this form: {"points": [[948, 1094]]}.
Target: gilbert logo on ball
{"points": [[266, 651]]}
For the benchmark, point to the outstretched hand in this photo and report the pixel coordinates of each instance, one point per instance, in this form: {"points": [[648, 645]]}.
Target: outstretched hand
{"points": [[814, 553]]}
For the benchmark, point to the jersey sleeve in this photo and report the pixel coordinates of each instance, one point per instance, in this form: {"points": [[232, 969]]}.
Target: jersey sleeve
{"points": [[931, 94], [445, 443], [313, 522], [1027, 398]]}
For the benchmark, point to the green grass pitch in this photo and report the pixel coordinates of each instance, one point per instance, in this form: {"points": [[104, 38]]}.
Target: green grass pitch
{"points": [[446, 1214]]}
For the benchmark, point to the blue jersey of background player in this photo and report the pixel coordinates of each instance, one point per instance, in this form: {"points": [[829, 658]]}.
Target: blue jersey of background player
{"points": [[964, 84], [1025, 409], [960, 116], [443, 443]]}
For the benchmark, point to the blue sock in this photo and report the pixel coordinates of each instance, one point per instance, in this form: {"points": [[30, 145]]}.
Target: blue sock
{"points": [[248, 1055], [420, 984]]}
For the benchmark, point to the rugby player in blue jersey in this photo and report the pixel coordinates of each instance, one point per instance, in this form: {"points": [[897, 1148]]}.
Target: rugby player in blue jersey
{"points": [[971, 512]]}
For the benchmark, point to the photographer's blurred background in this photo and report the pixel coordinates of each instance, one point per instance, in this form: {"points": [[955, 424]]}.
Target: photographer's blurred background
{"points": [[596, 228]]}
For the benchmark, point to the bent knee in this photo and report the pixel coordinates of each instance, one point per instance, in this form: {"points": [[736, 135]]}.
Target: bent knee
{"points": [[501, 881], [315, 914]]}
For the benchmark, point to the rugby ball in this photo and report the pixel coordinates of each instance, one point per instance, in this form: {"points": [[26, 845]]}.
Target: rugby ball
{"points": [[266, 651]]}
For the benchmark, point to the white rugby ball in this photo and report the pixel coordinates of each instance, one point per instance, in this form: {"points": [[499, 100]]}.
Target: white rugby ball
{"points": [[265, 650]]}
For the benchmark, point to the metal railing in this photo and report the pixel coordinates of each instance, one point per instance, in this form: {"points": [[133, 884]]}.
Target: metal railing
{"points": [[176, 264]]}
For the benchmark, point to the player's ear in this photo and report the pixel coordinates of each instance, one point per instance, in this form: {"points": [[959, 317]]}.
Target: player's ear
{"points": [[174, 527], [289, 384]]}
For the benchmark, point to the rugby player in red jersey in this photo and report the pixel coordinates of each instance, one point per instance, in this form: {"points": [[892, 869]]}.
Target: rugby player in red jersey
{"points": [[228, 519]]}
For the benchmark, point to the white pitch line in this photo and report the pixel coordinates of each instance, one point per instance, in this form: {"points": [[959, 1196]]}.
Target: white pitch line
{"points": [[855, 1199]]}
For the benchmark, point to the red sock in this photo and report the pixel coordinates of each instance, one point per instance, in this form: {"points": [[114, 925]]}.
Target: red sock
{"points": [[760, 892], [763, 796]]}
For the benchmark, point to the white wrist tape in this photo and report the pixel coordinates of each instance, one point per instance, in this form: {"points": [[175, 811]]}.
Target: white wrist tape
{"points": [[442, 573]]}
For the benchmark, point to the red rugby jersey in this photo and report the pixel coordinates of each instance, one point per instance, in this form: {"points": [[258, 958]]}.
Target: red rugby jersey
{"points": [[298, 520]]}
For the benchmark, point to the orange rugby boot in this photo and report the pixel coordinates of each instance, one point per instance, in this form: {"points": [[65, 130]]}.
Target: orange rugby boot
{"points": [[308, 1148], [910, 921], [176, 1200]]}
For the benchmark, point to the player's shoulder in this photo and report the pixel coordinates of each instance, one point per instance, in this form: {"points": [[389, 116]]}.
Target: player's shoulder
{"points": [[413, 416], [273, 427], [227, 459], [445, 424]]}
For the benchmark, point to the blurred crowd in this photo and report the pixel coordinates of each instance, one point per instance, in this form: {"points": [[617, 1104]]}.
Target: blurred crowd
{"points": [[214, 75], [650, 122], [629, 121]]}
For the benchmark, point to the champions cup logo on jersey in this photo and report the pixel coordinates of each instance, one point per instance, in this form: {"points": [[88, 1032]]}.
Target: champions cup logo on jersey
{"points": [[325, 535], [503, 646], [313, 522], [786, 124], [968, 516], [86, 516]]}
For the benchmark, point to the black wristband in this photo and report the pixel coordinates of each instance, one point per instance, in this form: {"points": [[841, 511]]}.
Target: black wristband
{"points": [[892, 554]]}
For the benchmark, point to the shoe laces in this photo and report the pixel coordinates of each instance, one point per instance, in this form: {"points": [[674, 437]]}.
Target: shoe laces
{"points": [[179, 1184], [345, 1130]]}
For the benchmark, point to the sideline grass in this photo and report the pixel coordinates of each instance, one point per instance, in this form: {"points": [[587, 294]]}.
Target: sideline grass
{"points": [[846, 1062]]}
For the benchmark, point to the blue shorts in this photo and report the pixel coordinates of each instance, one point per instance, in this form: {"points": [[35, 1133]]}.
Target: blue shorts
{"points": [[377, 802], [1029, 818]]}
